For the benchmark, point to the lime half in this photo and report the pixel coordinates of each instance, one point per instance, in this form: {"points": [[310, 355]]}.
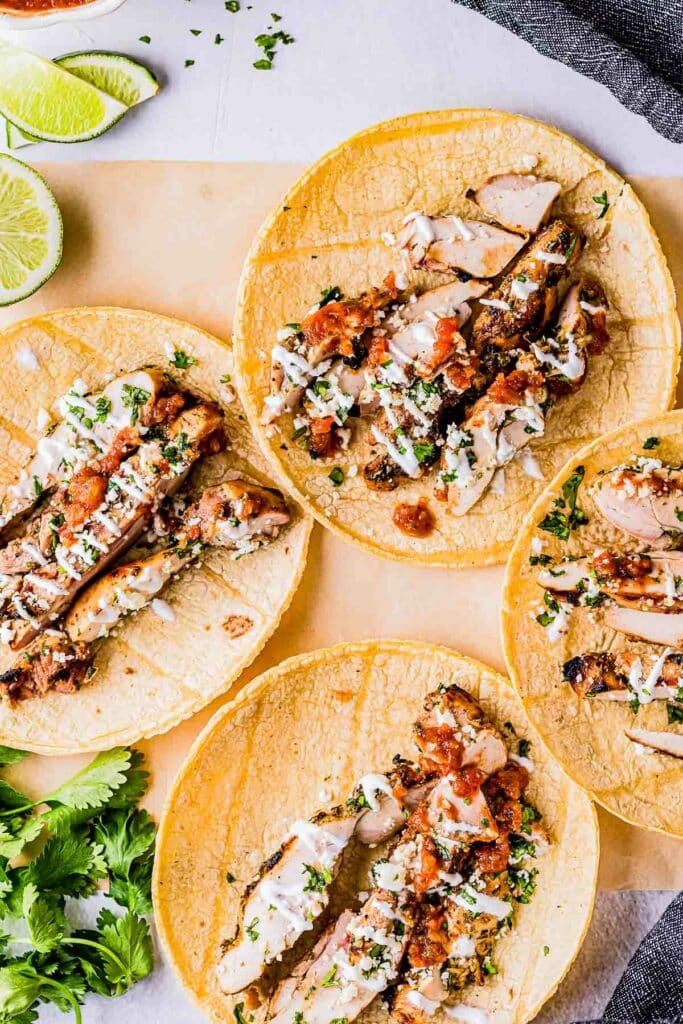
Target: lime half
{"points": [[43, 100], [30, 231], [121, 77]]}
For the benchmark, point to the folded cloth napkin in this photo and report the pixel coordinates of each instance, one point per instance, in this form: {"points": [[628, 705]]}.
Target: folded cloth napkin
{"points": [[634, 47], [651, 989]]}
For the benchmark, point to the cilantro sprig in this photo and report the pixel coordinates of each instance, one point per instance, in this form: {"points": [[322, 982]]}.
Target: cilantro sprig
{"points": [[566, 515], [93, 836]]}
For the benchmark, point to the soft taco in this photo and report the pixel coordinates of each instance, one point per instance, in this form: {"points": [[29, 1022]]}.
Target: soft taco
{"points": [[145, 557], [439, 313], [380, 827], [593, 620]]}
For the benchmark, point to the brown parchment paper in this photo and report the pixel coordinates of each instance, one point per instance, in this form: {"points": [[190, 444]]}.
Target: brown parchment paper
{"points": [[171, 238]]}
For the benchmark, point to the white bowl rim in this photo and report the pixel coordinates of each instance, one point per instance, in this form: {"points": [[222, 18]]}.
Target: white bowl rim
{"points": [[42, 19]]}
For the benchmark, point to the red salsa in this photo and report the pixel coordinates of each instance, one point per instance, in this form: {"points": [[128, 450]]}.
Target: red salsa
{"points": [[40, 6]]}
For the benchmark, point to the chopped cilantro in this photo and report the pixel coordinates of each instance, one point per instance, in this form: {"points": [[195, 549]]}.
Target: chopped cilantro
{"points": [[674, 714], [546, 950], [133, 399], [336, 476], [102, 408], [424, 450], [251, 931], [232, 5], [181, 360], [540, 560], [146, 39], [189, 63], [650, 442], [332, 294], [317, 880], [37, 487], [602, 202]]}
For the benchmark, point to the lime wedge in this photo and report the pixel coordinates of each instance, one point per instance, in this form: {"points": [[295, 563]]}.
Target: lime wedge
{"points": [[121, 77], [30, 231], [45, 101], [127, 81]]}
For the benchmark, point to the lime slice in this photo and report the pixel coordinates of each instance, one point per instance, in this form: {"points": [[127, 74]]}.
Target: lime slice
{"points": [[14, 137], [45, 101], [124, 79], [30, 231]]}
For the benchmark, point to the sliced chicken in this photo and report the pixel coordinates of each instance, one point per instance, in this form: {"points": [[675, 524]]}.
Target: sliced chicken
{"points": [[580, 330], [646, 579], [625, 676], [447, 947], [93, 426], [305, 351], [446, 300], [499, 426], [318, 966], [642, 624], [113, 511], [662, 742], [644, 500], [50, 662], [520, 309], [520, 202], [370, 950], [450, 243], [455, 733], [237, 515], [292, 887]]}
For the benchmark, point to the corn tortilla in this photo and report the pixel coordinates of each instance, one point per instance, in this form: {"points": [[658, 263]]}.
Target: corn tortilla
{"points": [[587, 737], [328, 231], [153, 673], [297, 739]]}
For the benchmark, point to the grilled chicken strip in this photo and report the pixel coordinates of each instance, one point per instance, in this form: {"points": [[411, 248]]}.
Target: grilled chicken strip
{"points": [[93, 427], [663, 742], [643, 500], [525, 302], [292, 887], [655, 627], [369, 951], [439, 834], [625, 676], [581, 330], [642, 590], [450, 243], [111, 513], [498, 428], [520, 202], [237, 515]]}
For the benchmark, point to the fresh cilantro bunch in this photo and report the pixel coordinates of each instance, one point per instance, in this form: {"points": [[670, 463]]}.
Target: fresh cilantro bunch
{"points": [[86, 835]]}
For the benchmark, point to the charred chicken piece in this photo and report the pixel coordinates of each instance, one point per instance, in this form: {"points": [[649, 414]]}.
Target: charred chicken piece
{"points": [[519, 310], [51, 662]]}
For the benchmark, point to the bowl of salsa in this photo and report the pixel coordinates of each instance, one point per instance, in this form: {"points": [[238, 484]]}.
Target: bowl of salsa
{"points": [[39, 13]]}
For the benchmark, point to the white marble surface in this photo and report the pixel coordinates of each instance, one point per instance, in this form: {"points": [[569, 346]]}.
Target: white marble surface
{"points": [[354, 62]]}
